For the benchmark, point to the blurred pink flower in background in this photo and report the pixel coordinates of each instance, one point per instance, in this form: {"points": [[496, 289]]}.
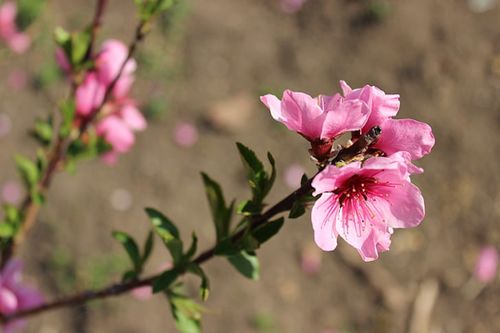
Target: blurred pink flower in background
{"points": [[17, 79], [118, 129], [292, 6], [11, 192], [486, 264], [146, 292], [293, 175], [310, 259], [185, 134], [363, 203], [5, 124], [14, 295], [89, 95], [17, 41], [120, 116]]}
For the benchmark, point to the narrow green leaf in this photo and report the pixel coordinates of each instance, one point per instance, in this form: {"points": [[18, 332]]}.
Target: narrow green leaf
{"points": [[250, 160], [247, 264], [268, 230], [148, 247], [165, 280], [248, 208], [165, 228], [298, 209], [221, 215], [67, 109], [130, 247], [226, 248], [192, 249], [28, 170], [187, 313], [80, 42], [205, 284], [43, 131], [6, 230]]}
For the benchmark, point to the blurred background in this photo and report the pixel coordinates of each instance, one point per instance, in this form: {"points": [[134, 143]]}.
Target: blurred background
{"points": [[199, 77]]}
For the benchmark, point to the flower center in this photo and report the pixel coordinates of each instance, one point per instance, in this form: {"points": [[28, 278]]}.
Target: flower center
{"points": [[357, 187]]}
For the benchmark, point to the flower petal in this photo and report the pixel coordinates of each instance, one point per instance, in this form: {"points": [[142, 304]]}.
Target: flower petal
{"points": [[349, 115], [323, 216], [407, 135]]}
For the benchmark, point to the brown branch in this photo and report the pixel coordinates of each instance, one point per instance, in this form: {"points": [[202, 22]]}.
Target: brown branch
{"points": [[282, 206]]}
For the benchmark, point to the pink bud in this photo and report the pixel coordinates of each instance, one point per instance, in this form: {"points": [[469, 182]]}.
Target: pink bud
{"points": [[17, 41], [486, 264], [185, 134]]}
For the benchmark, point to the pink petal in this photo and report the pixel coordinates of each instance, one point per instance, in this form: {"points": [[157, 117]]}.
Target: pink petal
{"points": [[324, 215], [302, 114], [406, 207], [327, 180], [63, 61], [116, 132], [89, 95], [133, 117], [110, 158], [486, 265], [292, 6], [378, 241], [8, 301], [350, 115], [407, 135], [110, 59], [7, 19], [274, 105], [28, 297]]}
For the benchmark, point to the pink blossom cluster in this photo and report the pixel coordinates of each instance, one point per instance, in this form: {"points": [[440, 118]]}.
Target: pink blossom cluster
{"points": [[17, 41], [366, 199], [119, 117], [14, 295]]}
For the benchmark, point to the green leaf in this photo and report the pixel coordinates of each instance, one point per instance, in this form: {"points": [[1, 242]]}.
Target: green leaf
{"points": [[187, 313], [131, 247], [148, 247], [43, 131], [27, 12], [168, 232], [205, 284], [221, 215], [248, 208], [268, 230], [67, 109], [298, 209], [226, 248], [80, 43], [6, 230], [28, 170], [165, 280], [165, 228], [247, 264], [192, 249], [272, 178], [250, 160]]}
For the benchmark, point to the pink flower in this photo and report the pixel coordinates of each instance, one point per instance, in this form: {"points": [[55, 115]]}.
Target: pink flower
{"points": [[118, 129], [14, 295], [293, 175], [292, 6], [363, 203], [89, 95], [108, 63], [486, 265], [407, 135], [17, 41], [11, 192], [320, 120], [185, 134]]}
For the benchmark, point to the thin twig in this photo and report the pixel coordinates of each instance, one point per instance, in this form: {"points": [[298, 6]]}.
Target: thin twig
{"points": [[121, 288]]}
